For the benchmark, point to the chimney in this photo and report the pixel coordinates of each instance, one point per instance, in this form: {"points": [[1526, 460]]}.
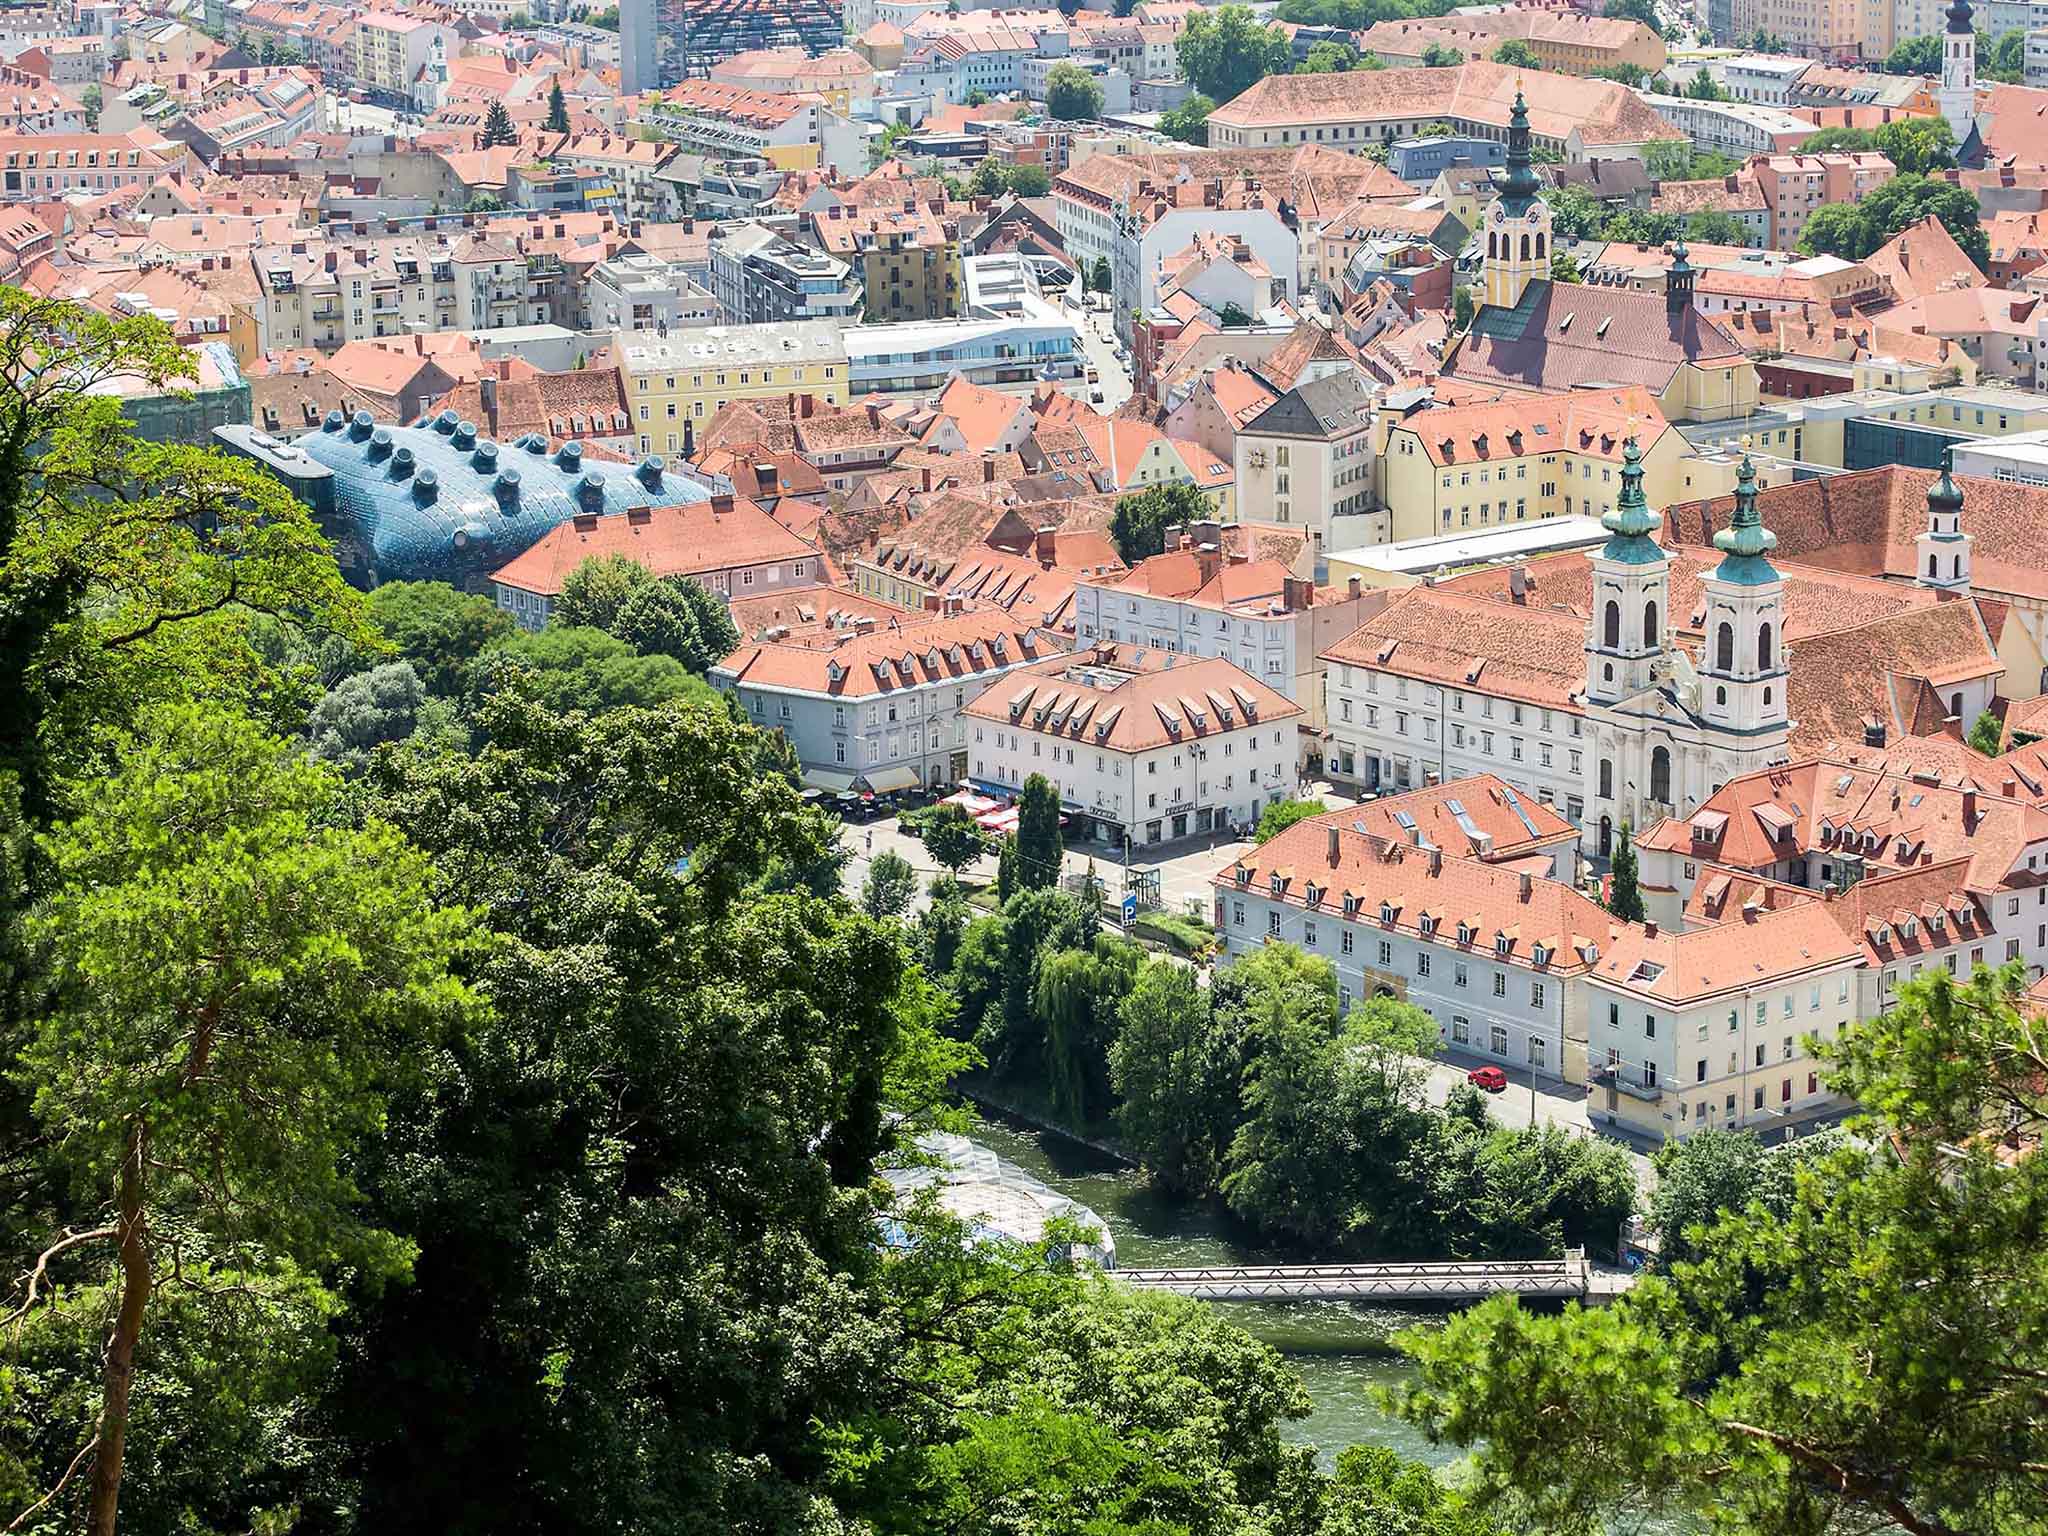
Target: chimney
{"points": [[1333, 845], [487, 389], [1436, 861], [1528, 885], [1873, 731], [934, 602], [1969, 810], [764, 479], [1298, 595], [2009, 788], [924, 476], [1354, 587], [806, 404], [1043, 546], [1649, 928], [720, 505], [874, 415]]}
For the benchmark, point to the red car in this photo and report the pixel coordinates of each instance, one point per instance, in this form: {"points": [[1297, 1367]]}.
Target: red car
{"points": [[1489, 1079]]}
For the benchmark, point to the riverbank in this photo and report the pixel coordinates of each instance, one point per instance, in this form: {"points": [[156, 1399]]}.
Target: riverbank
{"points": [[1345, 1354]]}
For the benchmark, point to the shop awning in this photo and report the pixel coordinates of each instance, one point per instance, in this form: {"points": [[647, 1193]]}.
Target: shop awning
{"points": [[895, 776], [827, 779]]}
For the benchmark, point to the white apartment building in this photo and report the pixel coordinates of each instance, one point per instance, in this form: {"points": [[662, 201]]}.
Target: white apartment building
{"points": [[1308, 458], [1141, 744], [1496, 956], [882, 707], [323, 293], [1196, 601]]}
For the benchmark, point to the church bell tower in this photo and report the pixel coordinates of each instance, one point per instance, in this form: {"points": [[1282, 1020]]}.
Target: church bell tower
{"points": [[1518, 223]]}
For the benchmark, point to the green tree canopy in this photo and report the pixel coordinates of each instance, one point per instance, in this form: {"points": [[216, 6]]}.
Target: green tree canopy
{"points": [[498, 127], [1328, 59], [1282, 814], [593, 594], [558, 109], [1226, 51], [1712, 227], [1854, 230], [1140, 521], [1868, 1354], [238, 984], [949, 834], [572, 668], [1039, 845], [1188, 122], [1987, 734], [1564, 268], [1839, 141], [1917, 145], [1517, 54], [670, 617], [1915, 56], [1442, 56], [361, 713], [890, 886], [1624, 889], [437, 629], [1072, 94]]}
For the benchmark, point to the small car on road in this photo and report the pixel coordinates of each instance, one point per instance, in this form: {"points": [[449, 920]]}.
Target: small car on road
{"points": [[1487, 1079]]}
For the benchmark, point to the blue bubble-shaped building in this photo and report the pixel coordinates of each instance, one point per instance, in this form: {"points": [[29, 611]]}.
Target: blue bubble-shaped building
{"points": [[438, 502]]}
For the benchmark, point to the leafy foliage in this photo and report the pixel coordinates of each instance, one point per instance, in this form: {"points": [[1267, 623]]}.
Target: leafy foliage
{"points": [[593, 594], [1624, 885], [437, 629], [1282, 814], [1141, 520], [890, 886], [1987, 734], [949, 834], [570, 668], [1915, 56], [1854, 230], [1863, 1352], [1224, 52], [1839, 141], [1517, 54], [1188, 122], [1072, 95]]}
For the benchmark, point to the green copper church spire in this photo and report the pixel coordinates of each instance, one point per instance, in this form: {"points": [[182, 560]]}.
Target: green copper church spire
{"points": [[1632, 522], [1746, 542], [1519, 188]]}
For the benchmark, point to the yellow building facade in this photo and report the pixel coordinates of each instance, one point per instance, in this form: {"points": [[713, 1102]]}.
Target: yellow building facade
{"points": [[676, 383]]}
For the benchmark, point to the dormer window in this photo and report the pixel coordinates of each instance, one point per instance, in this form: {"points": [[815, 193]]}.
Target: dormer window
{"points": [[834, 671], [1387, 912], [1350, 905], [1428, 926], [1314, 894], [1464, 933], [1502, 944], [1539, 955], [1278, 884], [1909, 930], [1883, 936], [1244, 875]]}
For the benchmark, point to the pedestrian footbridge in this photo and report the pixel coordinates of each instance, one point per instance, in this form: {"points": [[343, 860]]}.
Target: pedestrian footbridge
{"points": [[1571, 1278]]}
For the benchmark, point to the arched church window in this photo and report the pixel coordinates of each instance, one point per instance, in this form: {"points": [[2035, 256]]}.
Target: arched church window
{"points": [[1525, 247], [1660, 775], [1763, 648], [1649, 624], [1767, 698], [1955, 705], [1724, 648], [1610, 626], [1539, 245], [1721, 696], [1931, 572], [1606, 779], [1958, 567], [1493, 243]]}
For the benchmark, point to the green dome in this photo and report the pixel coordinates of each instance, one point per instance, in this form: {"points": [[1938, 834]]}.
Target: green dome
{"points": [[1945, 495], [1745, 542], [1632, 522]]}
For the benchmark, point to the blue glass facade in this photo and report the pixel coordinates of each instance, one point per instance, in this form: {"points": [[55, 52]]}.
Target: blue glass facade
{"points": [[1874, 443], [436, 502]]}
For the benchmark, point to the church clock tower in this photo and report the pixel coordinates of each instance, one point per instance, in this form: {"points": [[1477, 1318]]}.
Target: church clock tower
{"points": [[1959, 71], [1518, 223]]}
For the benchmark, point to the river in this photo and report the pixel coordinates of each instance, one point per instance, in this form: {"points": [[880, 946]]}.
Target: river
{"points": [[1342, 1351]]}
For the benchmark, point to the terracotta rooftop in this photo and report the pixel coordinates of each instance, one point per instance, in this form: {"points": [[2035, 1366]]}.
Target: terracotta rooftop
{"points": [[1130, 699], [669, 541], [1535, 656]]}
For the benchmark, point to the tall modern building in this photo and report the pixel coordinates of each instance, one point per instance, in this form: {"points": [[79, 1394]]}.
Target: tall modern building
{"points": [[664, 41]]}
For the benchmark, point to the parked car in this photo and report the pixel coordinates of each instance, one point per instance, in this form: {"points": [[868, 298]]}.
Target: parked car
{"points": [[1487, 1079]]}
